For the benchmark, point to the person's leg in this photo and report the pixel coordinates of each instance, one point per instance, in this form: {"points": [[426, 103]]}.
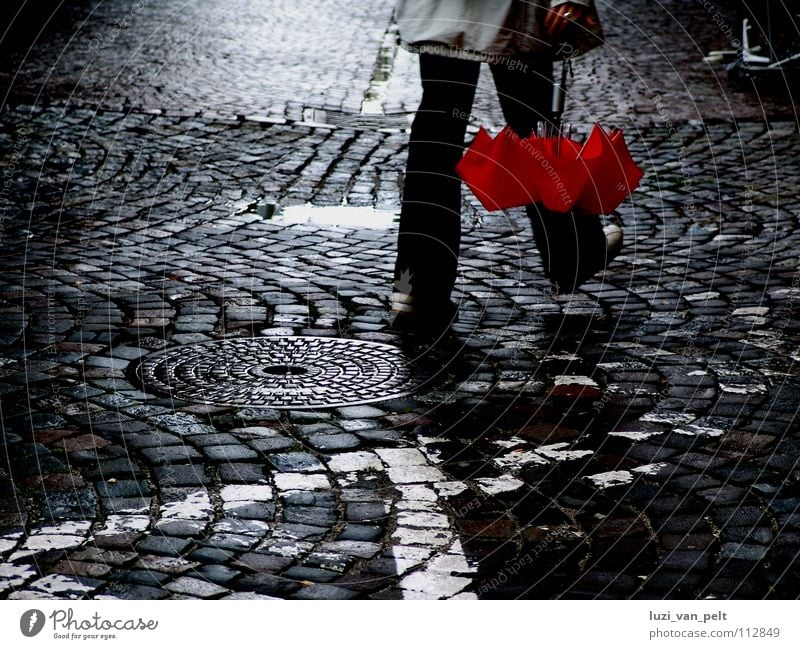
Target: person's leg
{"points": [[525, 90], [572, 246], [430, 218]]}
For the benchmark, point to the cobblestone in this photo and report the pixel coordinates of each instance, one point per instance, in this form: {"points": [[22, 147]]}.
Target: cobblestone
{"points": [[195, 587], [166, 545]]}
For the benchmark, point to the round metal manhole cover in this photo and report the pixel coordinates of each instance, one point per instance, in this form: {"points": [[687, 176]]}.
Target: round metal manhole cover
{"points": [[280, 372]]}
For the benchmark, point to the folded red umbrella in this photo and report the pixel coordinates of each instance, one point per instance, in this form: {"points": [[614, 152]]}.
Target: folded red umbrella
{"points": [[557, 172]]}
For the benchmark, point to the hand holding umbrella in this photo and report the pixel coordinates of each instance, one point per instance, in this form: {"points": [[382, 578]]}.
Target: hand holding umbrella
{"points": [[570, 14]]}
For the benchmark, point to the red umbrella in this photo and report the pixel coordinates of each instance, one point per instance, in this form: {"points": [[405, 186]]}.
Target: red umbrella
{"points": [[557, 172]]}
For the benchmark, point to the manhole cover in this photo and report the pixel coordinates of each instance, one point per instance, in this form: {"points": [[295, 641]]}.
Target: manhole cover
{"points": [[280, 372]]}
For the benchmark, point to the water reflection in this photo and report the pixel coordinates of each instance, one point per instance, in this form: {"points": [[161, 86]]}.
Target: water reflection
{"points": [[337, 215]]}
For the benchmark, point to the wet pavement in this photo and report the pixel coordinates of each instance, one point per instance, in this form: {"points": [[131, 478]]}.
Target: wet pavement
{"points": [[636, 439]]}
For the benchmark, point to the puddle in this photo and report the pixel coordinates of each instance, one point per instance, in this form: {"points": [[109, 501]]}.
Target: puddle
{"points": [[337, 215], [379, 84], [611, 479]]}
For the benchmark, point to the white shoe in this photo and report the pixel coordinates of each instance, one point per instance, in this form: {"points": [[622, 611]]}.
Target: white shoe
{"points": [[613, 241], [402, 303]]}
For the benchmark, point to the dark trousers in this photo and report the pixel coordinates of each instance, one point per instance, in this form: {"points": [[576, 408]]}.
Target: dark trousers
{"points": [[430, 218]]}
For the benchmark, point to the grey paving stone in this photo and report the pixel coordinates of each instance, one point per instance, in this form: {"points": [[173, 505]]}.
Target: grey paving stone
{"points": [[307, 430], [360, 549], [126, 505], [242, 526], [182, 424], [380, 437], [195, 587], [743, 551], [165, 545], [361, 412], [229, 453], [258, 414], [263, 563], [78, 504], [324, 592], [183, 528], [241, 473], [353, 532], [250, 510], [104, 361], [143, 577], [234, 542], [310, 499], [308, 415], [301, 531], [165, 564], [265, 584], [358, 511], [122, 489], [221, 575], [355, 425], [218, 439], [295, 462], [171, 454], [327, 443], [122, 468], [181, 475], [211, 555], [107, 557], [304, 573], [272, 444], [314, 516]]}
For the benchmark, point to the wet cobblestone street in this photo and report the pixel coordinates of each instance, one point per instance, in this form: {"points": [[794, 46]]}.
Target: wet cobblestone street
{"points": [[635, 439]]}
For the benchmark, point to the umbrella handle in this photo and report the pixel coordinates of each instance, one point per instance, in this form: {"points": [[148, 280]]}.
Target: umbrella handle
{"points": [[559, 93]]}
